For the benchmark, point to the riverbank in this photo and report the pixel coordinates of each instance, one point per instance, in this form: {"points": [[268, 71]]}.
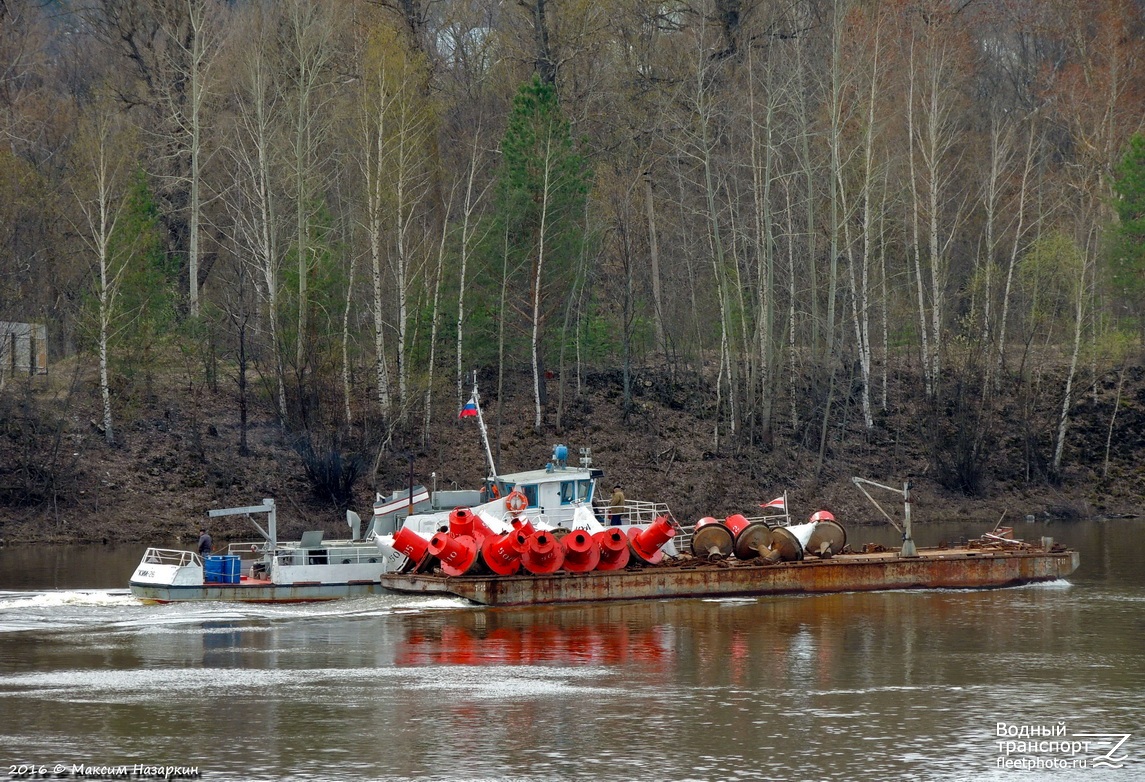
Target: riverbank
{"points": [[177, 455]]}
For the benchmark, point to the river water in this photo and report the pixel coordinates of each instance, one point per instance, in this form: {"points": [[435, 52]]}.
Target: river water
{"points": [[880, 686]]}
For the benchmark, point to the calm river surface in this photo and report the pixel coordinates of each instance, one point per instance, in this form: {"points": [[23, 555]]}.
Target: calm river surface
{"points": [[899, 685]]}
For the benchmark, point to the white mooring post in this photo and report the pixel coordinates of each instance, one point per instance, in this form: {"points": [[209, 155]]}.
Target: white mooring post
{"points": [[908, 547]]}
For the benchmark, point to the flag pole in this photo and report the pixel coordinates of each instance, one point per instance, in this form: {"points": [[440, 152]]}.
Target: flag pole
{"points": [[484, 431], [786, 508]]}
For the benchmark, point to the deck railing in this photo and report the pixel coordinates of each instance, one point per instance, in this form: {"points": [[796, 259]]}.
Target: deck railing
{"points": [[171, 556]]}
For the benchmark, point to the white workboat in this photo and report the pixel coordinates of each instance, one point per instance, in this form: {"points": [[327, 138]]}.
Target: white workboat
{"points": [[554, 497], [267, 571]]}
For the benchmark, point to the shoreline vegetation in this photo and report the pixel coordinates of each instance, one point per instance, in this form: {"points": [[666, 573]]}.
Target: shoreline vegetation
{"points": [[178, 457]]}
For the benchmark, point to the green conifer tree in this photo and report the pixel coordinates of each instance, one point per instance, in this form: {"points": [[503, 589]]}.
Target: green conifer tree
{"points": [[542, 186]]}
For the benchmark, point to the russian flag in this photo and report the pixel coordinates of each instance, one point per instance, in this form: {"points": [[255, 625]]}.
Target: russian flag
{"points": [[778, 502], [469, 409]]}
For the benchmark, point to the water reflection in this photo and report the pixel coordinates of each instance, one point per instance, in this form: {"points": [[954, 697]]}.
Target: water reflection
{"points": [[869, 686]]}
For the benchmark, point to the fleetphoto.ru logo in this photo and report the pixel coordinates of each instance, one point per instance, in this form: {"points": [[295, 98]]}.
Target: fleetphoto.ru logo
{"points": [[1111, 759], [1053, 746]]}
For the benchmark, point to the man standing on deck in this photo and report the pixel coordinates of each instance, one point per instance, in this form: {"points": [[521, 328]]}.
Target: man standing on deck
{"points": [[204, 542], [617, 505]]}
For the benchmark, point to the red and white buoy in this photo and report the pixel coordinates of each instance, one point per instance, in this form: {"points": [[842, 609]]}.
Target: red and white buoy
{"points": [[828, 538]]}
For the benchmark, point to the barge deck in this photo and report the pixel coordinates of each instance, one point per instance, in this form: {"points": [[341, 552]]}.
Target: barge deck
{"points": [[938, 568]]}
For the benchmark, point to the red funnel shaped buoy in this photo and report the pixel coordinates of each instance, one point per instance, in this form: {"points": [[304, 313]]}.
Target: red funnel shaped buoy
{"points": [[461, 522], [648, 544], [613, 545], [501, 553], [542, 554], [457, 555], [711, 539], [411, 544], [582, 554]]}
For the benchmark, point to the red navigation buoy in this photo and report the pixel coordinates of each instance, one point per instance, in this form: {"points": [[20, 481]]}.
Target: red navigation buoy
{"points": [[457, 554], [582, 554], [501, 553], [411, 544], [736, 523], [711, 539], [461, 522], [523, 525], [648, 544], [751, 537], [613, 545], [542, 554], [482, 530]]}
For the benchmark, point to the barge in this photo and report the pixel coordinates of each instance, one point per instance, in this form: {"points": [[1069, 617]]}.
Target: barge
{"points": [[931, 568], [736, 557]]}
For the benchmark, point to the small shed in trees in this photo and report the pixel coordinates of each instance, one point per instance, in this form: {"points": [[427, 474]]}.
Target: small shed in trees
{"points": [[23, 348]]}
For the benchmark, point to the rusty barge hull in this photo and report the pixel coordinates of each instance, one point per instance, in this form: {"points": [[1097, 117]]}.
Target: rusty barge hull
{"points": [[932, 569]]}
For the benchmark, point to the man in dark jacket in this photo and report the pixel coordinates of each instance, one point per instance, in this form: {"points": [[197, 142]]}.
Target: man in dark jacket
{"points": [[204, 543]]}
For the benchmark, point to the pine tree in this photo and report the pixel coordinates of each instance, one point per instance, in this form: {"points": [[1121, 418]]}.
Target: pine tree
{"points": [[1128, 256], [542, 186]]}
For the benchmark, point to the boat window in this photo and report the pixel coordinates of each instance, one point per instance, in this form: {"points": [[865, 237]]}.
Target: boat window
{"points": [[530, 494], [568, 489], [584, 490]]}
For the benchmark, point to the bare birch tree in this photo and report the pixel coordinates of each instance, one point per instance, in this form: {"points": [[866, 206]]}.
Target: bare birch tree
{"points": [[104, 158], [254, 199]]}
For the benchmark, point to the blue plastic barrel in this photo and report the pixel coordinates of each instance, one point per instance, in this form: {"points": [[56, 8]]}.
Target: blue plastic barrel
{"points": [[213, 569], [232, 567]]}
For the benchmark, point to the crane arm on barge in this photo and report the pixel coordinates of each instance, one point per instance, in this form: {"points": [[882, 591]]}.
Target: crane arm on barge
{"points": [[908, 547]]}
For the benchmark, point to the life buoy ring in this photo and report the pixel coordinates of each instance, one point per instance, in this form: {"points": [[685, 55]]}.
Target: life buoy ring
{"points": [[516, 501]]}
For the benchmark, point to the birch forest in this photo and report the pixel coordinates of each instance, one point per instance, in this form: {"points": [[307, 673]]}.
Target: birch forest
{"points": [[338, 210]]}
